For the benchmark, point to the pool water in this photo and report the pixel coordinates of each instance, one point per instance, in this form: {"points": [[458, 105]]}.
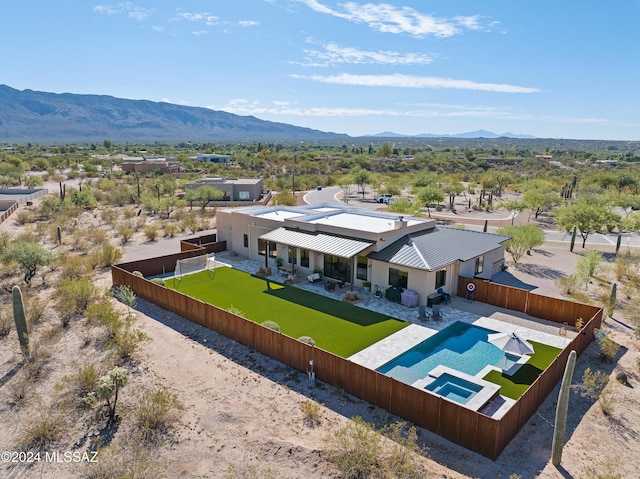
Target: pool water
{"points": [[454, 388], [461, 346]]}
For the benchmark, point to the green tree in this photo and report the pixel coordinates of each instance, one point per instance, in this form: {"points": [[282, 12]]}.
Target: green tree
{"points": [[429, 195], [109, 386], [28, 256], [588, 265], [386, 150], [204, 195], [523, 238], [514, 207], [586, 216], [362, 178]]}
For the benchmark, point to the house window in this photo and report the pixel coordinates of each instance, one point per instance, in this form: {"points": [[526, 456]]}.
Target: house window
{"points": [[398, 278], [244, 195], [304, 258], [361, 270], [293, 256], [479, 264], [245, 239], [441, 278], [262, 248], [337, 268]]}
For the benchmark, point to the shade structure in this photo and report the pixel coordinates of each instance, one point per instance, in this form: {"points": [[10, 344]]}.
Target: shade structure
{"points": [[511, 343]]}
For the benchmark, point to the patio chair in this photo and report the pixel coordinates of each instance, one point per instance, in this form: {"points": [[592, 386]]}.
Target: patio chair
{"points": [[423, 315], [435, 312], [379, 292], [446, 297]]}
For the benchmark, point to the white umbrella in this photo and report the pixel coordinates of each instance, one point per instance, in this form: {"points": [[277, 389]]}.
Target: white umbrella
{"points": [[511, 343]]}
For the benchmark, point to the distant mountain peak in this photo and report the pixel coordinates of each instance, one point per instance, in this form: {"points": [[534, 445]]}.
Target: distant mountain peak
{"points": [[470, 134], [33, 116]]}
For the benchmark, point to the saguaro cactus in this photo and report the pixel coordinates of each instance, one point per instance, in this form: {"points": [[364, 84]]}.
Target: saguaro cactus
{"points": [[63, 191], [59, 235], [560, 427], [573, 239], [20, 319]]}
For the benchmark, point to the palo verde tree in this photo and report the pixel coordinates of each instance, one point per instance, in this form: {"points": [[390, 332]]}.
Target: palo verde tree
{"points": [[203, 195], [28, 256], [588, 217], [523, 238], [362, 178], [429, 195]]}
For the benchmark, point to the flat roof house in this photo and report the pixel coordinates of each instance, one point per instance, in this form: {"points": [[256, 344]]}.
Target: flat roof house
{"points": [[211, 158], [147, 164], [356, 246], [235, 189]]}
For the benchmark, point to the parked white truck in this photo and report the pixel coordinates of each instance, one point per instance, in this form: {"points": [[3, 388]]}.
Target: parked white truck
{"points": [[382, 198]]}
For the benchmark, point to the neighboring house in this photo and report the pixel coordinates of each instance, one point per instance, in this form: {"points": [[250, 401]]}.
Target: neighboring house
{"points": [[355, 246], [148, 164], [211, 158], [234, 189]]}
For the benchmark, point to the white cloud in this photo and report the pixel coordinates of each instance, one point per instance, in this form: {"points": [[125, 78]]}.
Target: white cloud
{"points": [[409, 81], [158, 28], [199, 32], [242, 106], [248, 23], [137, 13], [333, 53], [205, 17], [388, 18]]}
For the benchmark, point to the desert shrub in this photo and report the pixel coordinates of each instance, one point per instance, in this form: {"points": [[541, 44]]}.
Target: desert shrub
{"points": [[607, 401], [606, 470], [109, 216], [126, 296], [6, 321], [154, 412], [568, 284], [310, 413], [189, 223], [43, 427], [170, 230], [271, 325], [73, 266], [125, 232], [25, 216], [151, 232], [110, 254], [608, 348], [593, 383], [401, 461], [76, 294], [621, 377], [159, 281], [307, 339], [354, 449], [35, 313], [138, 274], [126, 340], [102, 313], [84, 380]]}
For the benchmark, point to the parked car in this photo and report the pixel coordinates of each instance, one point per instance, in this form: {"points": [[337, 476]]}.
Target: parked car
{"points": [[382, 198]]}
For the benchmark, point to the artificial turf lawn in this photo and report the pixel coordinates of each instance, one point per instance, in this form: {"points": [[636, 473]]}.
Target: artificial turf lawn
{"points": [[515, 386], [335, 326]]}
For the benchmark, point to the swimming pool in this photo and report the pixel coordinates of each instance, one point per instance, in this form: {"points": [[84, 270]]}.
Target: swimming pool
{"points": [[454, 388], [461, 346]]}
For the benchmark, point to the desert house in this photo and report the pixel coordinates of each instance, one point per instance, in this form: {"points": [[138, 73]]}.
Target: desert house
{"points": [[358, 247]]}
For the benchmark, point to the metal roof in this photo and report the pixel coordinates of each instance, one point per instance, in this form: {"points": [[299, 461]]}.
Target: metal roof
{"points": [[436, 248], [319, 242]]}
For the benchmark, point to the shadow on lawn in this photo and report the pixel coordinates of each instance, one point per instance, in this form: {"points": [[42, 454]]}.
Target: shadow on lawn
{"points": [[348, 312]]}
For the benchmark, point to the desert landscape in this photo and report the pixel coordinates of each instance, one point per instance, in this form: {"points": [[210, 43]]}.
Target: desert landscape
{"points": [[238, 413]]}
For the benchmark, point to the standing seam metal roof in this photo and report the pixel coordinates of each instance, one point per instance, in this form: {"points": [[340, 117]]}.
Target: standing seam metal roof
{"points": [[436, 248], [319, 242]]}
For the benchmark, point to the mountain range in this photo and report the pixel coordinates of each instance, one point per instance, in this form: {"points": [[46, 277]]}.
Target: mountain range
{"points": [[33, 116], [469, 134]]}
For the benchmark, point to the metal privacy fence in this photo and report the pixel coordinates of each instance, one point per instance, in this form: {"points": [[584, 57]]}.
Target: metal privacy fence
{"points": [[470, 429]]}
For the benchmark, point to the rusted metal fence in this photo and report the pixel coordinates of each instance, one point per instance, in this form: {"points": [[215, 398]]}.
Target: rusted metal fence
{"points": [[9, 207], [470, 429]]}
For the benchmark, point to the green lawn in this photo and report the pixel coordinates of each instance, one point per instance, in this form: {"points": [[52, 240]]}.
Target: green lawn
{"points": [[335, 326], [515, 386]]}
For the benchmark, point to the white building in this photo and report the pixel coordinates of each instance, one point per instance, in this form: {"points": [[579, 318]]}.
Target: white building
{"points": [[356, 246]]}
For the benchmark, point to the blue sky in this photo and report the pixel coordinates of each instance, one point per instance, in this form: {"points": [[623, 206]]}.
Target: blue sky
{"points": [[551, 69]]}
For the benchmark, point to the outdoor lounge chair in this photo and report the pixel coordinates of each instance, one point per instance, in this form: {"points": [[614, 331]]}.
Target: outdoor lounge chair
{"points": [[422, 313], [435, 312], [446, 297]]}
